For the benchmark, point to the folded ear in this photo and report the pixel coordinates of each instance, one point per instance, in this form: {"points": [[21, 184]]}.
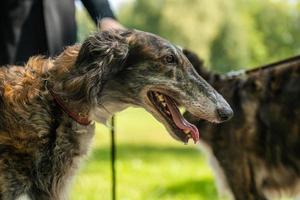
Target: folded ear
{"points": [[194, 59], [107, 50], [197, 63], [100, 57]]}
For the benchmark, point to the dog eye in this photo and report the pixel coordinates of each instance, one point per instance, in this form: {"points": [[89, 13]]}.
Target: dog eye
{"points": [[169, 59]]}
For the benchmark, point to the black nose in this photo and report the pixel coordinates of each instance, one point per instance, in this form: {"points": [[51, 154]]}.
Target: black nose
{"points": [[225, 113]]}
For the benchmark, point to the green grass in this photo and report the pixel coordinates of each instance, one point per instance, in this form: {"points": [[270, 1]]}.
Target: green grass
{"points": [[150, 164]]}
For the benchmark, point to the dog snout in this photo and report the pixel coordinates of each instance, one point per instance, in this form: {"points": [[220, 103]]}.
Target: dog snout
{"points": [[224, 113]]}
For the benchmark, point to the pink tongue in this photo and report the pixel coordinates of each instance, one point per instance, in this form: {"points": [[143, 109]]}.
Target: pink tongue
{"points": [[179, 120]]}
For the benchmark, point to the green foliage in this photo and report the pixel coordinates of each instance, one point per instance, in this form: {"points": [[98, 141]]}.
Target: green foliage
{"points": [[229, 34], [188, 23], [279, 24]]}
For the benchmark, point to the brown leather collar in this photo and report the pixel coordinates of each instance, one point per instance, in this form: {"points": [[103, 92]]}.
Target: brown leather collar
{"points": [[80, 118]]}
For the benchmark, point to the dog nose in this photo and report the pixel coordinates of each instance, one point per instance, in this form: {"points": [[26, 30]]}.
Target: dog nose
{"points": [[225, 113]]}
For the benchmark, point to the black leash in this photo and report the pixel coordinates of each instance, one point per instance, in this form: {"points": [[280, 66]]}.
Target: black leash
{"points": [[113, 158]]}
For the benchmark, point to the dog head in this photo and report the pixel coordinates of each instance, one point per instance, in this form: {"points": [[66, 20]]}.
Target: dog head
{"points": [[135, 68]]}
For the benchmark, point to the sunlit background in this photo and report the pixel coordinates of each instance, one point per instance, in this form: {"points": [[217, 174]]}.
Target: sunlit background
{"points": [[228, 35]]}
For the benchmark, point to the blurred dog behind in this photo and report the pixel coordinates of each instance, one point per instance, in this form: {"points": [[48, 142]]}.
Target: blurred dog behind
{"points": [[256, 155]]}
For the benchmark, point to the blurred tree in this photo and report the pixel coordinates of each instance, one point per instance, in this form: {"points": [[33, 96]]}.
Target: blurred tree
{"points": [[189, 23], [229, 47], [258, 32], [278, 21], [229, 34]]}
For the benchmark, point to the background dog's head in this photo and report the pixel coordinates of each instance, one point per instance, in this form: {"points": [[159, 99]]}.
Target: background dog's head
{"points": [[117, 69]]}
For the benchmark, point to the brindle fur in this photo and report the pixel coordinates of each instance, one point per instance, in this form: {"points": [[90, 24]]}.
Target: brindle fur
{"points": [[40, 145], [258, 151]]}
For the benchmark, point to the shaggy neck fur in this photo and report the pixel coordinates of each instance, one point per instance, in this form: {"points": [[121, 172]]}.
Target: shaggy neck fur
{"points": [[60, 82], [64, 76], [41, 145]]}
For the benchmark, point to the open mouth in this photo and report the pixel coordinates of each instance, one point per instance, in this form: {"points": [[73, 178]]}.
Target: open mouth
{"points": [[167, 108]]}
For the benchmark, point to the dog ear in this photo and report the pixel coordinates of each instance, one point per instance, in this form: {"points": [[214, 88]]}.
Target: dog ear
{"points": [[197, 63], [100, 57], [107, 50], [195, 60]]}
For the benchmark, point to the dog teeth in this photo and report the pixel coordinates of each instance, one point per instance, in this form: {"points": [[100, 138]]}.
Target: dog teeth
{"points": [[161, 98]]}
